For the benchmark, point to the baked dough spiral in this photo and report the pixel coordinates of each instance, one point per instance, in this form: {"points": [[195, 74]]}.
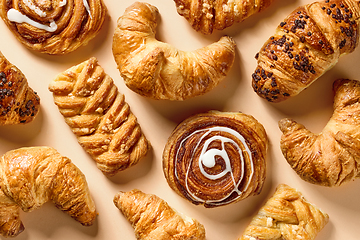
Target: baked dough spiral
{"points": [[53, 26], [216, 158]]}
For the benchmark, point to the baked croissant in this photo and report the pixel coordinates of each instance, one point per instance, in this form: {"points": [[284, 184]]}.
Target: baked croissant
{"points": [[305, 45], [332, 157], [152, 218], [100, 118], [30, 177], [207, 15], [160, 71], [53, 26], [286, 215], [216, 158], [18, 102]]}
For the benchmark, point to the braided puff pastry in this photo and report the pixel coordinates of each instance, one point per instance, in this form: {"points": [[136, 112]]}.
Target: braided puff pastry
{"points": [[153, 218], [305, 45], [160, 71], [30, 177], [286, 215], [53, 26], [332, 157], [18, 102], [207, 15], [216, 158], [100, 118]]}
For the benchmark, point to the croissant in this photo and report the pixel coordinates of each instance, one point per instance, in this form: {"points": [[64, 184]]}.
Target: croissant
{"points": [[18, 102], [286, 215], [153, 218], [305, 45], [160, 71], [216, 158], [207, 15], [30, 177], [98, 115], [332, 157], [52, 26]]}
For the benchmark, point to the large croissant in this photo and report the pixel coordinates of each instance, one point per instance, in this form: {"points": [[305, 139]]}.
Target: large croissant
{"points": [[305, 45], [332, 157], [207, 15], [160, 71], [30, 177], [286, 215], [153, 219], [98, 115], [18, 102]]}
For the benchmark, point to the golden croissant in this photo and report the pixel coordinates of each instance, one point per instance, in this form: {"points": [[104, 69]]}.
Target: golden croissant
{"points": [[160, 71], [207, 15], [100, 118], [30, 177], [152, 218], [305, 45], [332, 157], [18, 102], [52, 26], [286, 215]]}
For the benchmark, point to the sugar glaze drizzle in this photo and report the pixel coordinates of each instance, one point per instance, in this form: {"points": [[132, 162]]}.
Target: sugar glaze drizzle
{"points": [[15, 16], [207, 159]]}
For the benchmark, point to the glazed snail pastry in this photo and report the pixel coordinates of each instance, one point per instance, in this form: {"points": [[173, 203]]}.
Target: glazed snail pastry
{"points": [[216, 158], [53, 26]]}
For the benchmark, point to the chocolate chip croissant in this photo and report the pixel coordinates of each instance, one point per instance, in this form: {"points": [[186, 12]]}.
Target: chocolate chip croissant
{"points": [[207, 15], [305, 45], [216, 158], [30, 177], [286, 215], [332, 157], [18, 102], [100, 118], [53, 26], [160, 71], [153, 218]]}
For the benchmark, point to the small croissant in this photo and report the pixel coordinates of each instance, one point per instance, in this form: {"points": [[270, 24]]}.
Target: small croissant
{"points": [[160, 71], [332, 157], [30, 177], [153, 218], [100, 118], [286, 215]]}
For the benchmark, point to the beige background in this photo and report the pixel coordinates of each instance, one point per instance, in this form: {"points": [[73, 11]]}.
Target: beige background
{"points": [[312, 107]]}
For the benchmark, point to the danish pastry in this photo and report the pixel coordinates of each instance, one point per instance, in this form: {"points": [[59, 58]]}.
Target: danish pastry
{"points": [[158, 70], [100, 118], [18, 102], [30, 177], [153, 218], [216, 158], [332, 157], [53, 27], [207, 15], [286, 215], [305, 45]]}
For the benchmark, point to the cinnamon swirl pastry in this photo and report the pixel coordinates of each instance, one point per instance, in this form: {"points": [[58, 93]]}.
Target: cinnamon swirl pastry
{"points": [[216, 158], [53, 26]]}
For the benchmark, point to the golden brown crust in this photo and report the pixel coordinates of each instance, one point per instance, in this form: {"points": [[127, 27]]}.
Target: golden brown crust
{"points": [[160, 71], [75, 24], [18, 102], [152, 218], [207, 15], [305, 45], [286, 215], [30, 177], [100, 118], [216, 158], [332, 157]]}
